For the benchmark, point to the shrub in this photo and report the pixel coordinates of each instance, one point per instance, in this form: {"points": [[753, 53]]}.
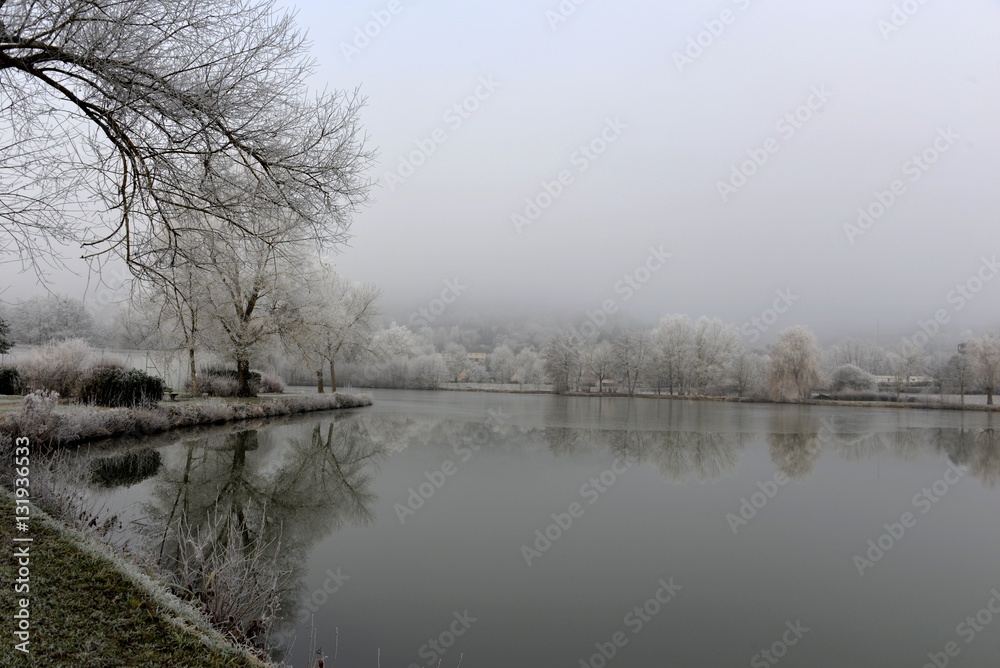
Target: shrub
{"points": [[10, 381], [58, 367], [220, 381], [38, 420], [271, 384], [852, 378], [117, 387]]}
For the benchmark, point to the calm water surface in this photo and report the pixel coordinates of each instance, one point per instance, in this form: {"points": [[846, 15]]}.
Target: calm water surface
{"points": [[549, 531]]}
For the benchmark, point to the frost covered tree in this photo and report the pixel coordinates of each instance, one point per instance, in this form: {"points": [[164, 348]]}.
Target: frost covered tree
{"points": [[984, 355], [631, 350], [905, 362], [114, 112], [501, 363], [860, 353], [338, 323], [750, 374], [52, 318], [958, 375], [852, 378], [600, 362], [672, 342], [456, 358], [562, 361], [528, 367], [794, 368], [714, 347], [249, 288]]}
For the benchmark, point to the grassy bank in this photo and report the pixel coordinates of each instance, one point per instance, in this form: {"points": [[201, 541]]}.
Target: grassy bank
{"points": [[47, 423], [91, 609]]}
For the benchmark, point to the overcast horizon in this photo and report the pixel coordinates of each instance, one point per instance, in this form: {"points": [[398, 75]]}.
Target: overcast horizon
{"points": [[845, 155]]}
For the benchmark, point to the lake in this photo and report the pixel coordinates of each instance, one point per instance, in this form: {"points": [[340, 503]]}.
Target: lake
{"points": [[536, 530]]}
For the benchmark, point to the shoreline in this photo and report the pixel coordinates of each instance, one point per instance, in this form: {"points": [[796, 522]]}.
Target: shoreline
{"points": [[846, 403], [49, 427], [84, 594]]}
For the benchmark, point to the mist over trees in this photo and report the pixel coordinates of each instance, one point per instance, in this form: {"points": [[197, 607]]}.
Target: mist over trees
{"points": [[41, 320], [291, 316]]}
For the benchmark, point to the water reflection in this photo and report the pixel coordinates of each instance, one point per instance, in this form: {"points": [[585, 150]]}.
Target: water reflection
{"points": [[252, 504], [273, 493]]}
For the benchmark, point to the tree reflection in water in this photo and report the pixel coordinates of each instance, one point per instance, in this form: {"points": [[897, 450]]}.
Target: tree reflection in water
{"points": [[234, 519]]}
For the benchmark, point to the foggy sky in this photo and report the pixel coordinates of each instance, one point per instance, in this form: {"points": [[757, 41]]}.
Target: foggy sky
{"points": [[673, 130]]}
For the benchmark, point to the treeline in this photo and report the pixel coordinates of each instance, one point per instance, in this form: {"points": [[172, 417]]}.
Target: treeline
{"points": [[678, 356]]}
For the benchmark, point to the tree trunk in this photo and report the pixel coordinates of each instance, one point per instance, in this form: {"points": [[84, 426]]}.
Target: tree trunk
{"points": [[243, 388], [319, 382], [989, 396], [194, 373], [333, 377]]}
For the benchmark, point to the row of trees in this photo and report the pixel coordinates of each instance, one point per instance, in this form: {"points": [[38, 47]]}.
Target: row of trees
{"points": [[680, 356], [248, 306]]}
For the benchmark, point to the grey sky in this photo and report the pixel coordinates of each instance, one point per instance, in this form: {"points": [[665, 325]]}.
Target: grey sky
{"points": [[678, 128]]}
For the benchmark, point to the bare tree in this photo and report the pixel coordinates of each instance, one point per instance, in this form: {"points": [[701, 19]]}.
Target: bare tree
{"points": [[860, 353], [501, 363], [631, 350], [250, 294], [714, 345], [750, 374], [562, 361], [114, 112], [984, 354], [672, 342], [456, 357], [905, 362], [958, 375], [794, 365], [600, 362], [339, 323]]}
